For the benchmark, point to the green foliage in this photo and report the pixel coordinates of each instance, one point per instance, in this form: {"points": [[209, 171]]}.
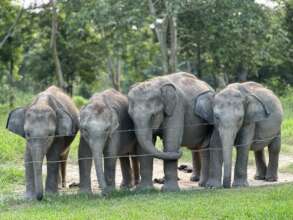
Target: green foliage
{"points": [[217, 39], [79, 101]]}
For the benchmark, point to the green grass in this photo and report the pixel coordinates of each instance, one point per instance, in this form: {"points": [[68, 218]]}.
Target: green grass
{"points": [[11, 178], [247, 203]]}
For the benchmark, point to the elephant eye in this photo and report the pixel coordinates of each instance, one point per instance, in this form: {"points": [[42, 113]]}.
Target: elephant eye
{"points": [[27, 134]]}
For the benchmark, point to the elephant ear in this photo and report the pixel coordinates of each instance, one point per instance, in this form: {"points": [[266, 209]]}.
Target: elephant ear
{"points": [[15, 121], [114, 116], [65, 125], [203, 106], [169, 98], [256, 109]]}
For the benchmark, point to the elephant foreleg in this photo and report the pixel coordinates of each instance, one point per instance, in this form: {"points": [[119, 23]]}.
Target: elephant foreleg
{"points": [[274, 150], [240, 175], [85, 166], [261, 167], [135, 169], [109, 170], [63, 163], [216, 161], [172, 140], [245, 137], [29, 175], [146, 170], [53, 155]]}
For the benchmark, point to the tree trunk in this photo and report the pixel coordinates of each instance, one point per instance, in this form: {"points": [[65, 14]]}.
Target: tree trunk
{"points": [[11, 29], [11, 84], [115, 67], [220, 77], [161, 32], [241, 73], [173, 43], [58, 68], [198, 54]]}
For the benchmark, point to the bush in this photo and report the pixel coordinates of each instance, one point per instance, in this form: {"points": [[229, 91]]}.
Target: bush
{"points": [[79, 101]]}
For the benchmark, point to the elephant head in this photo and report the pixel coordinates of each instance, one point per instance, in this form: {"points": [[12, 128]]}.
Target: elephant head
{"points": [[149, 104], [234, 107], [39, 124], [98, 122]]}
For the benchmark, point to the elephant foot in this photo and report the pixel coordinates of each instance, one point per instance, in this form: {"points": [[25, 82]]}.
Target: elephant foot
{"points": [[213, 184], [170, 187], [240, 183], [271, 178], [202, 183], [194, 178], [144, 187], [136, 182], [259, 177], [226, 183], [126, 186], [39, 196], [85, 191], [107, 191]]}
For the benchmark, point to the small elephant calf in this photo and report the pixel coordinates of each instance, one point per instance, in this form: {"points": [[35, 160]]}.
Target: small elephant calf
{"points": [[249, 116], [107, 130], [49, 125]]}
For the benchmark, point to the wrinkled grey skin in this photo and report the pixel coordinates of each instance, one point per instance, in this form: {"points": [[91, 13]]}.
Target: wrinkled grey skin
{"points": [[243, 114], [107, 130], [51, 113], [164, 107]]}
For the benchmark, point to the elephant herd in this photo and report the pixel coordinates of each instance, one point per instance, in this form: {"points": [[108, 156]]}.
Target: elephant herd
{"points": [[179, 108]]}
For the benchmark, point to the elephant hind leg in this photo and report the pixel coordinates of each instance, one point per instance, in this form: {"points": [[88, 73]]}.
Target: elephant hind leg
{"points": [[261, 167], [135, 169], [63, 163], [274, 150], [126, 173], [196, 166]]}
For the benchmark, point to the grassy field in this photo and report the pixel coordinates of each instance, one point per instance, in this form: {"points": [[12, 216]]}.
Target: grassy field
{"points": [[247, 203], [261, 203]]}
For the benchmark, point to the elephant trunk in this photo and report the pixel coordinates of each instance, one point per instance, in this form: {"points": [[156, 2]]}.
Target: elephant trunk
{"points": [[227, 138], [144, 136], [38, 156], [97, 150]]}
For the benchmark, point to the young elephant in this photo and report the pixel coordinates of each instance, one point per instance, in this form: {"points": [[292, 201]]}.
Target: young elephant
{"points": [[249, 116], [164, 107], [106, 130], [49, 125]]}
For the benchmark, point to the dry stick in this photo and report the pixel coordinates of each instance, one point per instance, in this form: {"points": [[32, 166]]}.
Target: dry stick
{"points": [[11, 29]]}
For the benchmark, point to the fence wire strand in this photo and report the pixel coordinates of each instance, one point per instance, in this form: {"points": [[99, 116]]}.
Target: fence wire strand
{"points": [[74, 161]]}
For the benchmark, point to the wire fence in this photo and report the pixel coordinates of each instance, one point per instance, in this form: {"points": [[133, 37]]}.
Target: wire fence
{"points": [[286, 159]]}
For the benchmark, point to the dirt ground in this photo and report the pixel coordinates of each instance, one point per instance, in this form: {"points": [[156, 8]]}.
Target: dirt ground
{"points": [[184, 182]]}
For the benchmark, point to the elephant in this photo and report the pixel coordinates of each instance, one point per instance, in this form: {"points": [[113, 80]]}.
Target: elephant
{"points": [[107, 130], [163, 107], [49, 125], [248, 116]]}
